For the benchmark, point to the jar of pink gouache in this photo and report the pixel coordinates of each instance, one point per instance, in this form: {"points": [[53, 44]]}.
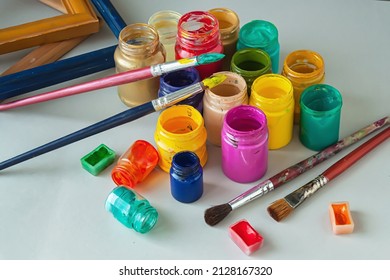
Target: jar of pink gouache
{"points": [[244, 144]]}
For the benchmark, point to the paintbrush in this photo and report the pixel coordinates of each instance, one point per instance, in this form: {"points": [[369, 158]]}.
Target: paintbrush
{"points": [[117, 79], [282, 208], [119, 119], [217, 213]]}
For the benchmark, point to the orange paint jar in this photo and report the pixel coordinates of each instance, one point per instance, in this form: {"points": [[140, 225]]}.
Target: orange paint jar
{"points": [[135, 164], [303, 68]]}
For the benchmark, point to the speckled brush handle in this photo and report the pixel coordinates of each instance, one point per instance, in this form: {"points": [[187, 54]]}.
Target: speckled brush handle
{"points": [[295, 170], [298, 196], [304, 165]]}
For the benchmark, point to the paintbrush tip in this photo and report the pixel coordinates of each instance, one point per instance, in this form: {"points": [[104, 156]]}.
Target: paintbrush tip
{"points": [[279, 209], [214, 80], [214, 215], [207, 58]]}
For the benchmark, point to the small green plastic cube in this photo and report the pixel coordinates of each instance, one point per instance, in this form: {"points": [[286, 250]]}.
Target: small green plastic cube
{"points": [[97, 160]]}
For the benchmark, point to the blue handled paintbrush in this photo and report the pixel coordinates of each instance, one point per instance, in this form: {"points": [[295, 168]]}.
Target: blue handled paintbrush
{"points": [[118, 119]]}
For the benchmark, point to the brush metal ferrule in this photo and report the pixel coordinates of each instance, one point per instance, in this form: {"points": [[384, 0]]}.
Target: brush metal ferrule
{"points": [[251, 194], [163, 68], [298, 196], [177, 96]]}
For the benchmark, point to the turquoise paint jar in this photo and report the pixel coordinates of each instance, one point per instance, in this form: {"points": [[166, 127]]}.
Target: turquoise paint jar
{"points": [[131, 209], [261, 34], [320, 116]]}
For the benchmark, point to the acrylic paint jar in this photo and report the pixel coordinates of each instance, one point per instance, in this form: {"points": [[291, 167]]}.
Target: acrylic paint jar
{"points": [[180, 128], [320, 116], [250, 64], [186, 177], [198, 33], [244, 144], [229, 27], [131, 209], [303, 68], [135, 164], [138, 47], [218, 100], [273, 94], [260, 34], [174, 81], [165, 22]]}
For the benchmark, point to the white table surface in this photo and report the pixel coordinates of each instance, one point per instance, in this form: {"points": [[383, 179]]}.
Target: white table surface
{"points": [[51, 208]]}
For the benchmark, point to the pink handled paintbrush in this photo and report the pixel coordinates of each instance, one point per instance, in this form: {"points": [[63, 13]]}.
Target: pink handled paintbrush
{"points": [[217, 213], [116, 79], [282, 208]]}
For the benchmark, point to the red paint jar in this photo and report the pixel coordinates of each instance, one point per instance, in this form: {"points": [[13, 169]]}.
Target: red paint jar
{"points": [[198, 33]]}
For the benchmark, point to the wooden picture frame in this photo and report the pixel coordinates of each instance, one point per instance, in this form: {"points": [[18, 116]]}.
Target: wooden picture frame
{"points": [[80, 20]]}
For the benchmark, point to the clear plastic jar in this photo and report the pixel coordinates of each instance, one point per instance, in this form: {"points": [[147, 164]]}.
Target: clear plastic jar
{"points": [[198, 33], [131, 209], [229, 27], [303, 68], [273, 94], [244, 144], [138, 47], [165, 22], [218, 100], [180, 128]]}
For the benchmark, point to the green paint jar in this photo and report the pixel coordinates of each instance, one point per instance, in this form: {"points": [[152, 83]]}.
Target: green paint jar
{"points": [[250, 64], [320, 116]]}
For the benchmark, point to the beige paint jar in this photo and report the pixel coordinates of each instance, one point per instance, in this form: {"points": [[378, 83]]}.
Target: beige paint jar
{"points": [[218, 100]]}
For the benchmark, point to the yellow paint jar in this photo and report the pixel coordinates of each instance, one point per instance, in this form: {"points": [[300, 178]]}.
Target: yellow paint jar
{"points": [[273, 94], [180, 128], [303, 68]]}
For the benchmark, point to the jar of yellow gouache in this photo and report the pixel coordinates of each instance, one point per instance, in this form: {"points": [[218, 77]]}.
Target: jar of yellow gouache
{"points": [[303, 68], [180, 128], [229, 27], [138, 47], [273, 94]]}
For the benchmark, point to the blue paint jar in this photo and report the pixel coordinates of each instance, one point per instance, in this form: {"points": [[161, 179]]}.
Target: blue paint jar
{"points": [[174, 81], [186, 176]]}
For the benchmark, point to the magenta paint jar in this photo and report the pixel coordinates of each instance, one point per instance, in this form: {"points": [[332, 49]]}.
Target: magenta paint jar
{"points": [[244, 144]]}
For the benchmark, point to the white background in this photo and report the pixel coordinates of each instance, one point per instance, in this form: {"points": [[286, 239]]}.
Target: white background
{"points": [[51, 208]]}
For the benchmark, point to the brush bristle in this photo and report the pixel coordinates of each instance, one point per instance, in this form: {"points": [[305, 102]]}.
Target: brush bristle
{"points": [[215, 214], [279, 209]]}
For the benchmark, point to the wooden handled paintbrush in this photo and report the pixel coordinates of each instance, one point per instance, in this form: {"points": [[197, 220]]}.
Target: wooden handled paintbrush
{"points": [[119, 119], [282, 208], [217, 213]]}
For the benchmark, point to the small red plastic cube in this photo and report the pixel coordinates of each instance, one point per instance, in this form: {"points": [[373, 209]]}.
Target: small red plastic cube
{"points": [[245, 237]]}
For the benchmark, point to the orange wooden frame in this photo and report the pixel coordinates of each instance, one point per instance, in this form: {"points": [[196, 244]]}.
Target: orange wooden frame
{"points": [[80, 20]]}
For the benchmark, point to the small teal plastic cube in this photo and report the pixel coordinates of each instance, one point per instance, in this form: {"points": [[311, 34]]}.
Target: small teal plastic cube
{"points": [[97, 160]]}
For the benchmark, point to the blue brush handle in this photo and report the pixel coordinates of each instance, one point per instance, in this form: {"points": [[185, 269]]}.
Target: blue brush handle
{"points": [[111, 122], [56, 72], [110, 15]]}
